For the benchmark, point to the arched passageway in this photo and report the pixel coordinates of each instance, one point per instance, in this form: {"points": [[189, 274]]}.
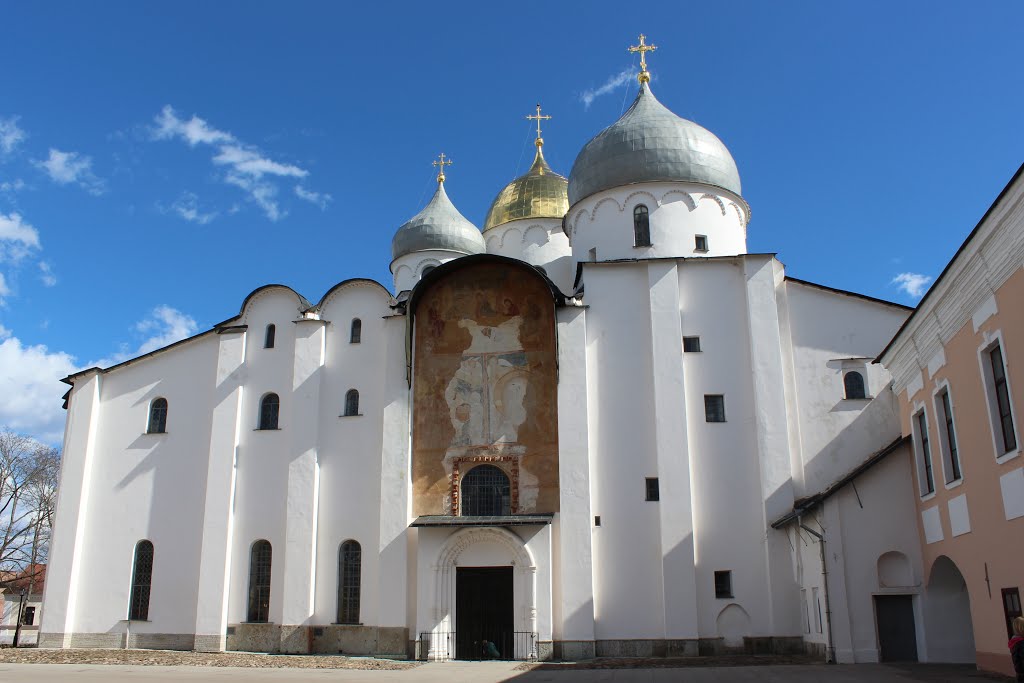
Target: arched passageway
{"points": [[950, 632]]}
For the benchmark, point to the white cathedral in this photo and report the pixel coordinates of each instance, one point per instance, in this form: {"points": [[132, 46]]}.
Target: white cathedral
{"points": [[599, 426]]}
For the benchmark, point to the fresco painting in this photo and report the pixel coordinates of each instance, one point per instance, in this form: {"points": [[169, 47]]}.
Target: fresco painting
{"points": [[484, 386]]}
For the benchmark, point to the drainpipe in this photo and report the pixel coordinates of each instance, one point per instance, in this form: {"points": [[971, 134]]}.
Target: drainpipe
{"points": [[830, 652]]}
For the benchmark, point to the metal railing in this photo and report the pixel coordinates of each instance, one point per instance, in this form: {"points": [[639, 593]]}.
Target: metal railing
{"points": [[443, 646]]}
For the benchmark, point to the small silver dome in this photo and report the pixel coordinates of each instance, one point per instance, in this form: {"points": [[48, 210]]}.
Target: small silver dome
{"points": [[438, 226], [649, 144]]}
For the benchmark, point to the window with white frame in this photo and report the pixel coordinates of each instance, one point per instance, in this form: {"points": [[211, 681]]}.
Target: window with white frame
{"points": [[922, 451], [998, 394], [947, 436]]}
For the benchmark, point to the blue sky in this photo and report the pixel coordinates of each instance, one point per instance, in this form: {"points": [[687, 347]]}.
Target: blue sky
{"points": [[159, 162]]}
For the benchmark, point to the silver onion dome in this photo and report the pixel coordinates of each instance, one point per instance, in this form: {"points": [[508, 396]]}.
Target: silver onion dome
{"points": [[438, 226], [649, 144]]}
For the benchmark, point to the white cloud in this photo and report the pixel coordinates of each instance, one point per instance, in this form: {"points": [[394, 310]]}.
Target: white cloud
{"points": [[187, 206], [46, 274], [70, 167], [913, 284], [164, 325], [17, 237], [247, 167], [319, 198], [11, 186], [4, 291], [613, 82], [10, 135], [30, 384]]}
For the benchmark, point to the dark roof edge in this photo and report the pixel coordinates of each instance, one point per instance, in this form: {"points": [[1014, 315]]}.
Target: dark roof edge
{"points": [[70, 378], [803, 505], [856, 295], [999, 198]]}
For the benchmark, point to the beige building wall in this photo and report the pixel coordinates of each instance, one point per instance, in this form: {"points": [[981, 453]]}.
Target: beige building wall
{"points": [[971, 526]]}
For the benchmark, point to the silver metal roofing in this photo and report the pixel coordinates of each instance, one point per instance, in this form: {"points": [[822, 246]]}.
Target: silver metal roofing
{"points": [[438, 226], [647, 144]]}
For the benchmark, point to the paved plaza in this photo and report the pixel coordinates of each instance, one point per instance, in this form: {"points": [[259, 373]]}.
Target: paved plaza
{"points": [[488, 672]]}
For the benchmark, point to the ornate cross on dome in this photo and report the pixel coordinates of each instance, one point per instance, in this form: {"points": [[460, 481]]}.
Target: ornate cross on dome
{"points": [[643, 49], [440, 167], [538, 118]]}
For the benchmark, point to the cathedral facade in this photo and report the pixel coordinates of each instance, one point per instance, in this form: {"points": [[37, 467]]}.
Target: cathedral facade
{"points": [[594, 427]]}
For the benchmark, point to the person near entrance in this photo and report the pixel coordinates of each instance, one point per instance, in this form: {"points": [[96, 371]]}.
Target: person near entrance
{"points": [[1016, 645], [489, 650]]}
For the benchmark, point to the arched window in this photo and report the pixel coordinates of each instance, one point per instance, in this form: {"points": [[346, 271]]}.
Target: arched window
{"points": [[157, 416], [426, 270], [142, 580], [270, 407], [268, 340], [641, 227], [853, 382], [259, 582], [356, 335], [350, 559], [486, 492], [352, 402]]}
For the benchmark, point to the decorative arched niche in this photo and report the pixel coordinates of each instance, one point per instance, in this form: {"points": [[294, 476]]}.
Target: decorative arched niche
{"points": [[894, 571]]}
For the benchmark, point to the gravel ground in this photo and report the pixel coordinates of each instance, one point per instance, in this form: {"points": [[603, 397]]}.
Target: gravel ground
{"points": [[175, 658]]}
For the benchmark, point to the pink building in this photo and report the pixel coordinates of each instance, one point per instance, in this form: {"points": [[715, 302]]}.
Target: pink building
{"points": [[958, 370]]}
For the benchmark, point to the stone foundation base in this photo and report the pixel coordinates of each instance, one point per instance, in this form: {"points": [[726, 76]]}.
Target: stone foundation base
{"points": [[333, 639], [140, 641]]}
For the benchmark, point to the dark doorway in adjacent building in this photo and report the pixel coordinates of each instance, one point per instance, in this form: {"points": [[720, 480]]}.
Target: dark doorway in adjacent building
{"points": [[897, 637], [483, 612]]}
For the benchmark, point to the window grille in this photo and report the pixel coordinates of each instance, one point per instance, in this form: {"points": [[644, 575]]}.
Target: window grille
{"points": [[928, 485], [352, 402], [142, 580], [268, 340], [259, 582], [28, 617], [652, 491], [641, 227], [157, 416], [1002, 396], [952, 454], [723, 584], [691, 344], [714, 407], [853, 383], [486, 492], [349, 568], [270, 408], [356, 333]]}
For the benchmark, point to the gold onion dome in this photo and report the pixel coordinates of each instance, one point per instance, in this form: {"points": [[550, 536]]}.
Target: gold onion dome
{"points": [[540, 193]]}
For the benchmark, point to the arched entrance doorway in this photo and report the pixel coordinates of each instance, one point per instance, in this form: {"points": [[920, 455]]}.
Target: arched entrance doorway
{"points": [[485, 589], [950, 629]]}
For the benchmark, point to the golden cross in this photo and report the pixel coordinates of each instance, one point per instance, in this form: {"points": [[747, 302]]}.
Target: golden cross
{"points": [[538, 118], [643, 49], [440, 167]]}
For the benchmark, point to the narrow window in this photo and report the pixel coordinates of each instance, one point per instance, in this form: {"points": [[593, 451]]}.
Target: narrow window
{"points": [[426, 271], [700, 242], [486, 492], [259, 582], [597, 520], [807, 612], [1011, 608], [653, 494], [351, 402], [691, 344], [1002, 396], [356, 335], [950, 453], [28, 617], [723, 584], [349, 568], [641, 227], [270, 408], [157, 416], [714, 408], [142, 580], [924, 455], [853, 383], [268, 340]]}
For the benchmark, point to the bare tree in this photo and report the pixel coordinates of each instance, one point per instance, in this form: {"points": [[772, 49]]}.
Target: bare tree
{"points": [[29, 472]]}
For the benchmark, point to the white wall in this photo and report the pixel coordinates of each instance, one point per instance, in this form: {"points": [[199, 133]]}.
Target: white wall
{"points": [[678, 212], [539, 242]]}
